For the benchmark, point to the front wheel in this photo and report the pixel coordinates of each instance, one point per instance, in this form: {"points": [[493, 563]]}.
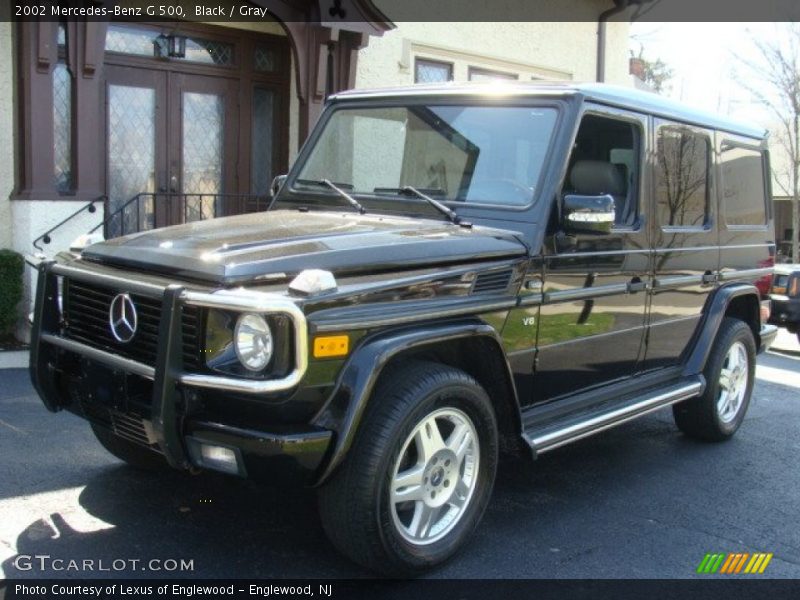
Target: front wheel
{"points": [[730, 372], [420, 473]]}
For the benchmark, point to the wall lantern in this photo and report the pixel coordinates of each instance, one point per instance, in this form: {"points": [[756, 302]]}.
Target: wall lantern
{"points": [[169, 46]]}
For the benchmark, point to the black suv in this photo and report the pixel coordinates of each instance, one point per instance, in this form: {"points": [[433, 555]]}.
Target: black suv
{"points": [[445, 272], [785, 297]]}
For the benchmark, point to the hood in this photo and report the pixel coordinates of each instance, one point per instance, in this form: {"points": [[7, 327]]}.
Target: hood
{"points": [[281, 243]]}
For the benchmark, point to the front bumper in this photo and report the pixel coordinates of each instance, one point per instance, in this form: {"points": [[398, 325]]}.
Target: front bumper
{"points": [[288, 456], [170, 424], [785, 311]]}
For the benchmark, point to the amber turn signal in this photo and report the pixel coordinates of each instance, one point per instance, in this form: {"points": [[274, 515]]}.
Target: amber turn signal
{"points": [[331, 345]]}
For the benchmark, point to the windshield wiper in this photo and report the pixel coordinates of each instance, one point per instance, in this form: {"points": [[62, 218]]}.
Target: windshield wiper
{"points": [[328, 183], [450, 214]]}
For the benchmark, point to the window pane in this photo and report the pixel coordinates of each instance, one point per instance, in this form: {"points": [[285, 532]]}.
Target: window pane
{"points": [[264, 59], [130, 40], [202, 152], [743, 197], [429, 71], [682, 178], [476, 74], [140, 42], [209, 51], [262, 148], [605, 160], [62, 127], [131, 153]]}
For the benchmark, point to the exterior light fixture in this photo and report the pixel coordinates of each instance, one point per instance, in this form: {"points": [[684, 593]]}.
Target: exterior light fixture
{"points": [[169, 46], [161, 46], [177, 46]]}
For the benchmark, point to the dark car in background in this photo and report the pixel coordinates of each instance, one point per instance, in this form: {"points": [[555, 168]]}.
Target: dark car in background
{"points": [[785, 297]]}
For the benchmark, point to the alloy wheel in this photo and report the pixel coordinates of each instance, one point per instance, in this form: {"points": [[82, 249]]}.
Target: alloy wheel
{"points": [[435, 476], [733, 380]]}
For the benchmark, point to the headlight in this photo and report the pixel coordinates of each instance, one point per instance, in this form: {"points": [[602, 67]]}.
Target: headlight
{"points": [[253, 341]]}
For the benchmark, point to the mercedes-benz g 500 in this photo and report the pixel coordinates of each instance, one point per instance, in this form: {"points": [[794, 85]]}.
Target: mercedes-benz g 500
{"points": [[445, 273]]}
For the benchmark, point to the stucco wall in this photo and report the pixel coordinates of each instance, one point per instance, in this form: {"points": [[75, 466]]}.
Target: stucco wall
{"points": [[549, 50], [6, 133]]}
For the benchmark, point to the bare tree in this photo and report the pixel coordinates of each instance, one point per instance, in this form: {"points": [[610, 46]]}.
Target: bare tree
{"points": [[779, 68]]}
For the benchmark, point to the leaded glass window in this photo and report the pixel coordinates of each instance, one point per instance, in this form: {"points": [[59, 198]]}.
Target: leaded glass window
{"points": [[62, 119], [130, 40], [209, 51], [264, 59], [131, 152], [203, 129], [432, 71], [140, 41], [262, 140]]}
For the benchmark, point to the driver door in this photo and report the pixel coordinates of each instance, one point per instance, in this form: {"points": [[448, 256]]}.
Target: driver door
{"points": [[593, 318]]}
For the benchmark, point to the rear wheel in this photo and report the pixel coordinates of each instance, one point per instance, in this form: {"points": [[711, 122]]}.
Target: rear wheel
{"points": [[420, 473], [135, 455], [730, 371]]}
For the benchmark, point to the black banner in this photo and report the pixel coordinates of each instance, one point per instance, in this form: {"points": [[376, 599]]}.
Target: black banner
{"points": [[331, 12], [419, 589]]}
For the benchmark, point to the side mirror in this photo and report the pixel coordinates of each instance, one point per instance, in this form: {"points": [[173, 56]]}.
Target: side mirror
{"points": [[277, 184], [588, 214]]}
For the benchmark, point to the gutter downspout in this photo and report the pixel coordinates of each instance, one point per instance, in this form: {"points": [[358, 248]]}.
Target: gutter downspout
{"points": [[619, 6]]}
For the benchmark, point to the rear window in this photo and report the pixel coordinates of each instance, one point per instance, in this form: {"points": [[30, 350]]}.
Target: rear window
{"points": [[743, 186]]}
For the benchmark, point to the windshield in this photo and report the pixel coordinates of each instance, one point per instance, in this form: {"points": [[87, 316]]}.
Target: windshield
{"points": [[473, 154]]}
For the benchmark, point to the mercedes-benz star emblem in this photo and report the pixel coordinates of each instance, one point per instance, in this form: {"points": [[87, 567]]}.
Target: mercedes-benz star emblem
{"points": [[122, 318]]}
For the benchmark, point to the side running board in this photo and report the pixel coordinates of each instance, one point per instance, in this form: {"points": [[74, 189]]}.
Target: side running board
{"points": [[572, 427]]}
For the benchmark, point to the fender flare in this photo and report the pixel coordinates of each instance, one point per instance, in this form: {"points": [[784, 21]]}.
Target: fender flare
{"points": [[714, 313], [342, 413]]}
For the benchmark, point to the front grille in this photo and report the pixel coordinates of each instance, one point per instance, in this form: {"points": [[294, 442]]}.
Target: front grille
{"points": [[86, 316]]}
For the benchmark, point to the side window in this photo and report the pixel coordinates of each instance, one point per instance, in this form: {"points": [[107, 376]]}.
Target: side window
{"points": [[682, 163], [605, 160], [743, 185]]}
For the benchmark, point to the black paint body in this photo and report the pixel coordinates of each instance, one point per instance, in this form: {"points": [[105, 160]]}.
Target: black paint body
{"points": [[551, 323]]}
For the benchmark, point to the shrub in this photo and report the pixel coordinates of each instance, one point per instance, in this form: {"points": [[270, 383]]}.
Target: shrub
{"points": [[11, 267]]}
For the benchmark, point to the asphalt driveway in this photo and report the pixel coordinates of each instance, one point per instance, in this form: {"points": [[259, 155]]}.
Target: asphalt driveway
{"points": [[637, 501]]}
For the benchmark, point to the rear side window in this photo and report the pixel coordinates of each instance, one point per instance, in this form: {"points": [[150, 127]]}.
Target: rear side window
{"points": [[743, 186], [682, 177]]}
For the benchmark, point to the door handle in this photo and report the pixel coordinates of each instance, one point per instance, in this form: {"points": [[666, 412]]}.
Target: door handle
{"points": [[636, 285], [709, 278]]}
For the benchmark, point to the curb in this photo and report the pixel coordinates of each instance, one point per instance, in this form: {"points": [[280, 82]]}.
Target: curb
{"points": [[14, 359]]}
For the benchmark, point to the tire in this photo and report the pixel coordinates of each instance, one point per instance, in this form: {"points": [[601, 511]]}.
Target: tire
{"points": [[135, 455], [715, 415], [389, 533]]}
